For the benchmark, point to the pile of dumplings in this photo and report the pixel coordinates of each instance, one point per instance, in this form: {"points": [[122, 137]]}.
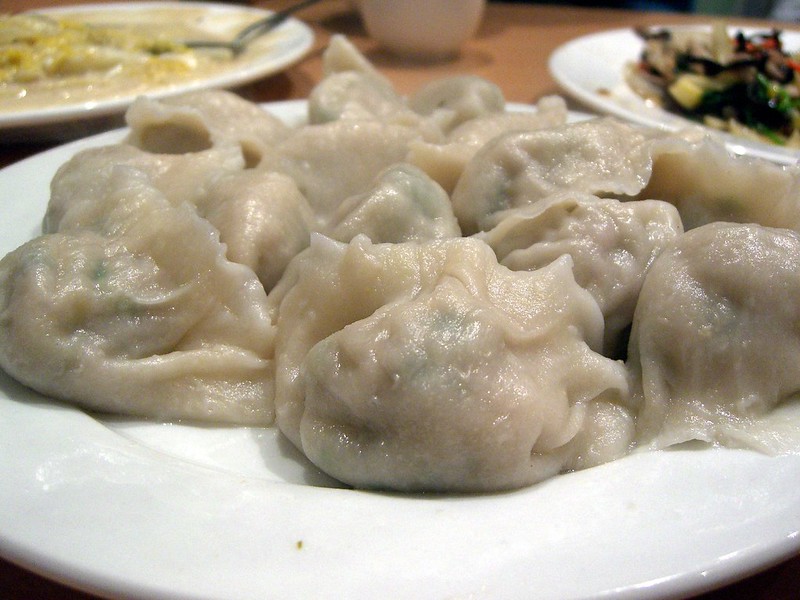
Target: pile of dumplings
{"points": [[422, 293]]}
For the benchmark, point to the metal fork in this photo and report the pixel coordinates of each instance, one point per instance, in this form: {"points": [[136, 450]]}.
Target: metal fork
{"points": [[252, 31]]}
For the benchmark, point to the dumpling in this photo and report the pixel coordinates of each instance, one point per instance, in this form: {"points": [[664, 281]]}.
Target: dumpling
{"points": [[82, 182], [342, 56], [142, 315], [548, 112], [518, 169], [336, 160], [607, 158], [450, 101], [445, 161], [351, 85], [262, 218], [715, 342], [404, 205], [324, 288], [196, 121], [708, 184], [612, 244], [353, 89], [430, 367], [351, 94]]}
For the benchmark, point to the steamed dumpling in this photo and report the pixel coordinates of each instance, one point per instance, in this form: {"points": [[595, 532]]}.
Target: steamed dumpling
{"points": [[83, 181], [430, 367], [608, 158], [707, 184], [550, 111], [445, 161], [142, 315], [715, 341], [263, 219], [352, 89], [518, 169], [341, 56], [336, 160], [353, 95], [612, 244], [404, 205], [200, 120], [326, 287], [450, 101]]}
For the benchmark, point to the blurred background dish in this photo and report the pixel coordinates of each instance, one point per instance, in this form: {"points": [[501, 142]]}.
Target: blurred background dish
{"points": [[76, 105], [422, 29], [591, 69]]}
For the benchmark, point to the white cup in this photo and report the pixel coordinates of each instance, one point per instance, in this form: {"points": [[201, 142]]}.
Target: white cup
{"points": [[422, 29]]}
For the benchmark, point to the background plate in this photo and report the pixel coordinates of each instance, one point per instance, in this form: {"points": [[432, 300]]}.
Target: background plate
{"points": [[591, 70], [268, 55]]}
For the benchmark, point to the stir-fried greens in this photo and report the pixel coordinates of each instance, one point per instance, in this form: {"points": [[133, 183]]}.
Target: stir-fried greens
{"points": [[745, 84]]}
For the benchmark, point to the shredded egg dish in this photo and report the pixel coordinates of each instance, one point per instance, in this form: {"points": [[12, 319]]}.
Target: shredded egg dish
{"points": [[100, 55]]}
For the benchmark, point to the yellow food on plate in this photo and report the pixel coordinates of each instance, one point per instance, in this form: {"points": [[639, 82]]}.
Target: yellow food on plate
{"points": [[58, 58], [36, 47]]}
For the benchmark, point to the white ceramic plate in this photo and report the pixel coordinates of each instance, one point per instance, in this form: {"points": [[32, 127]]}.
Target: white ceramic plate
{"points": [[591, 70], [138, 509], [284, 46]]}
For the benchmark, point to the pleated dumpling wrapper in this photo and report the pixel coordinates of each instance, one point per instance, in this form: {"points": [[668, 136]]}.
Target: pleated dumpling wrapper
{"points": [[428, 366]]}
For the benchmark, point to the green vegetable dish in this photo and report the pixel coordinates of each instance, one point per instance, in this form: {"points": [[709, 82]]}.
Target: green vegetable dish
{"points": [[743, 84]]}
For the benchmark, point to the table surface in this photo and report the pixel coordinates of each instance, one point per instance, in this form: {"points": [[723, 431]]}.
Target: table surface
{"points": [[511, 49]]}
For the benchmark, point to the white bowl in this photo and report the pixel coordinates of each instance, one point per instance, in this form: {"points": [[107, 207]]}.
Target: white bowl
{"points": [[423, 29]]}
